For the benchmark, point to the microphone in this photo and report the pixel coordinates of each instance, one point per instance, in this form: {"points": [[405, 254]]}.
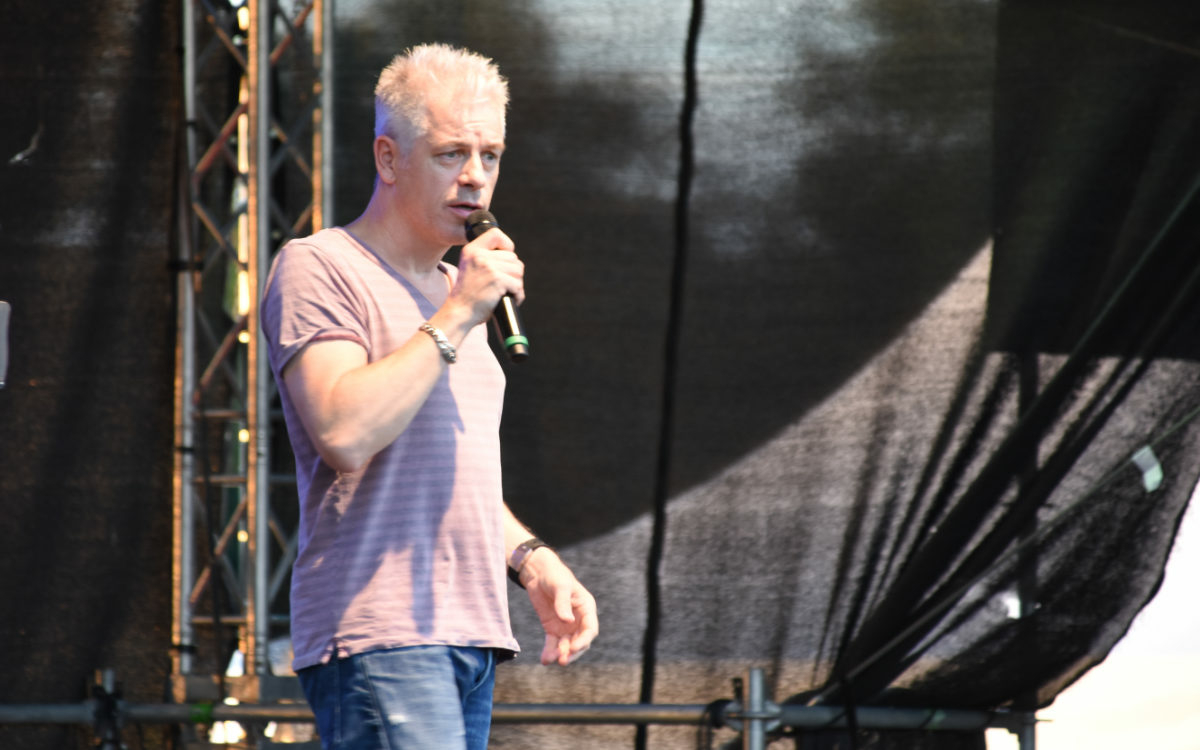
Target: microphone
{"points": [[509, 327]]}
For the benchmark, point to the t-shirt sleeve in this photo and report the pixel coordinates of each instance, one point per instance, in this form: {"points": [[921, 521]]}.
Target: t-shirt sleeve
{"points": [[308, 297]]}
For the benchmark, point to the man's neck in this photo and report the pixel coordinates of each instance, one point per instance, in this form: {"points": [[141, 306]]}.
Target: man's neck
{"points": [[392, 241]]}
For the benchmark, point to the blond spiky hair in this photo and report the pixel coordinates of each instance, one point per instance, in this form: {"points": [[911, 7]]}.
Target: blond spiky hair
{"points": [[405, 84]]}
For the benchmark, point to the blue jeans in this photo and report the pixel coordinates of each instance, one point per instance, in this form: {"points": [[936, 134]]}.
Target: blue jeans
{"points": [[419, 698]]}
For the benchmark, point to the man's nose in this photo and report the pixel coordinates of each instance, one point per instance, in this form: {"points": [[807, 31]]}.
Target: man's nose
{"points": [[472, 172]]}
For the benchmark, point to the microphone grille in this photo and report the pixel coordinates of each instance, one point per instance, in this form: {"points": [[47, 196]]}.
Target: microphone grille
{"points": [[478, 222]]}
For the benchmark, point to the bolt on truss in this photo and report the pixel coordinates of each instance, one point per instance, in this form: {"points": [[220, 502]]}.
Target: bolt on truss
{"points": [[258, 102]]}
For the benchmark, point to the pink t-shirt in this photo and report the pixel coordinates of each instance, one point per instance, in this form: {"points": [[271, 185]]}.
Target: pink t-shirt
{"points": [[409, 550]]}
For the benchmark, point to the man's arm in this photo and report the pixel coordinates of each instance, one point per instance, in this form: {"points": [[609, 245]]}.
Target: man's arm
{"points": [[352, 409], [566, 609]]}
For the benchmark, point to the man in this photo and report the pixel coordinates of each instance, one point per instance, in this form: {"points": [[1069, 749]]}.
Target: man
{"points": [[393, 398]]}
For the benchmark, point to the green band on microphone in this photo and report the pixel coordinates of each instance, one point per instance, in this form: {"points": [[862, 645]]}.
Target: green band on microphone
{"points": [[512, 341]]}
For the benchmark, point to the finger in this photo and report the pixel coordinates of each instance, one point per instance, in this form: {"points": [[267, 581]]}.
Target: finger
{"points": [[588, 630], [494, 239], [564, 651], [563, 608], [576, 653], [550, 649], [499, 271], [507, 269], [515, 272], [504, 257]]}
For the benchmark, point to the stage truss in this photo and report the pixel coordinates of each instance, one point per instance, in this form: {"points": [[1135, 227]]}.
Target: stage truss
{"points": [[258, 102]]}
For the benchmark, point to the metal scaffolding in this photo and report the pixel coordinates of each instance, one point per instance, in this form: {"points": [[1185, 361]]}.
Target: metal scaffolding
{"points": [[257, 89], [753, 715]]}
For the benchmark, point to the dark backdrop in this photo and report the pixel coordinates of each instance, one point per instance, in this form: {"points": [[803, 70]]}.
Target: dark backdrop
{"points": [[89, 111], [846, 321]]}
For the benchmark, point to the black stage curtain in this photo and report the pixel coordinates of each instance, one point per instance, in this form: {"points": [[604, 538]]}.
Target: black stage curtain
{"points": [[862, 338], [89, 115]]}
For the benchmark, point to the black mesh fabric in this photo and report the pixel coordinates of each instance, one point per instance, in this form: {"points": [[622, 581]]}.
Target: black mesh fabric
{"points": [[89, 112]]}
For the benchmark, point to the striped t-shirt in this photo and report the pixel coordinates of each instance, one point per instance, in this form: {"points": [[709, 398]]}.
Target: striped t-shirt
{"points": [[409, 550]]}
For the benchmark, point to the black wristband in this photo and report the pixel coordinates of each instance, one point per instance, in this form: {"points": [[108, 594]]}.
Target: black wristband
{"points": [[519, 556]]}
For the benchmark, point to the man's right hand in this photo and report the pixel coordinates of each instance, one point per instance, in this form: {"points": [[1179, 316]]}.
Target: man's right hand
{"points": [[488, 268]]}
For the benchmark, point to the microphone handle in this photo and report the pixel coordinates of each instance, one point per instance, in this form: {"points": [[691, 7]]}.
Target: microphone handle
{"points": [[506, 318], [509, 329]]}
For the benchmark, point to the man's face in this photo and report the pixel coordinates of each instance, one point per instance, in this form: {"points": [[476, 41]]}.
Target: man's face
{"points": [[451, 170]]}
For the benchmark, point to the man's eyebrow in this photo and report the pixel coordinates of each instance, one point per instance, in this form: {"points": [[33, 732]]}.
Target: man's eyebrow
{"points": [[466, 143], [492, 145]]}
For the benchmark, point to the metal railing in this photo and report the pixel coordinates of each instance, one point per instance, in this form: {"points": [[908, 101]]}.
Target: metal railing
{"points": [[754, 718]]}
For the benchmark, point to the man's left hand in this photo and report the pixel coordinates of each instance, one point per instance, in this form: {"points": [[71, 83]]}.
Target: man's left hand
{"points": [[567, 610]]}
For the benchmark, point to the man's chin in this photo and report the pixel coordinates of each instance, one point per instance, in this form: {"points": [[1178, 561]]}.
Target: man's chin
{"points": [[455, 230]]}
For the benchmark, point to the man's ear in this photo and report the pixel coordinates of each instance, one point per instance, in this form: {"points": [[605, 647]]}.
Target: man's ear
{"points": [[387, 158]]}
